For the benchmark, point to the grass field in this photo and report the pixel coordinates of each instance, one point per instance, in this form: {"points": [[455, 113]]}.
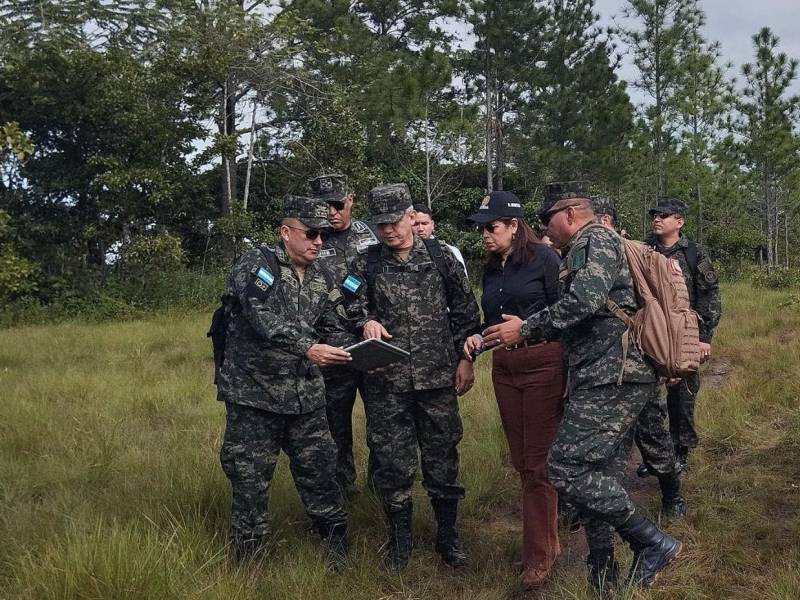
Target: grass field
{"points": [[110, 485]]}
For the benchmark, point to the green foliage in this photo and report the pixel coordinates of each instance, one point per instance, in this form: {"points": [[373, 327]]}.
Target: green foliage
{"points": [[146, 255], [778, 278], [17, 276]]}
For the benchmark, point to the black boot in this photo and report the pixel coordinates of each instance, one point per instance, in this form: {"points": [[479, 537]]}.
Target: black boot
{"points": [[447, 543], [642, 471], [334, 536], [682, 458], [603, 571], [652, 549], [399, 547], [673, 506]]}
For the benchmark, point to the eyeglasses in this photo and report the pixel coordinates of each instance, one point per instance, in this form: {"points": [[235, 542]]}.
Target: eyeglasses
{"points": [[663, 217], [311, 234], [337, 206], [491, 226]]}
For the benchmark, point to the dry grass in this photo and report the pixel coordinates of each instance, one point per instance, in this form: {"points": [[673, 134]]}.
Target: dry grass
{"points": [[111, 486]]}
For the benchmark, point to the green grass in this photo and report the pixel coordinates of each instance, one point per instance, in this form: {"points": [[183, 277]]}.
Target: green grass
{"points": [[110, 485]]}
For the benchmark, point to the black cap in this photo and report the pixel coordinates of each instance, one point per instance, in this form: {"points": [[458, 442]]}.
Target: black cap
{"points": [[497, 205], [557, 192], [331, 188], [669, 206], [311, 212]]}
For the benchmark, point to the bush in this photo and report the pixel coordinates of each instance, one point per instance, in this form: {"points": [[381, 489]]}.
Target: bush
{"points": [[780, 278]]}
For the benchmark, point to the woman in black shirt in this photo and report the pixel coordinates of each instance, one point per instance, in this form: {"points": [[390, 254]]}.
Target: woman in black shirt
{"points": [[520, 278]]}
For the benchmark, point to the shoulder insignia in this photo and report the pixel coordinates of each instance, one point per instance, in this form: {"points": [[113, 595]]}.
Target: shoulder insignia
{"points": [[351, 284], [263, 275], [327, 252], [577, 254], [360, 227]]}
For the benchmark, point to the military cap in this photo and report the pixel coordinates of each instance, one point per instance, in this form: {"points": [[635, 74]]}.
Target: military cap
{"points": [[330, 188], [562, 193], [603, 206], [497, 205], [388, 203], [669, 206], [311, 212]]}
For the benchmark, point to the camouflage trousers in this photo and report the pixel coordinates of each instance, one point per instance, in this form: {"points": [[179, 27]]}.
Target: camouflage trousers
{"points": [[341, 385], [653, 437], [399, 423], [253, 439], [680, 404], [588, 457]]}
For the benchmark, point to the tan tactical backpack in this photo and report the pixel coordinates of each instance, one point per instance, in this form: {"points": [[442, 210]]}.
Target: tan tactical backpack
{"points": [[665, 327]]}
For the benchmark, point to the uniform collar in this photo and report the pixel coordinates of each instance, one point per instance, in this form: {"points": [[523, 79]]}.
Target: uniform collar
{"points": [[283, 258]]}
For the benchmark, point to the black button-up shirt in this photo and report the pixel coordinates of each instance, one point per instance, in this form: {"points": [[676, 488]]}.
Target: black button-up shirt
{"points": [[520, 289]]}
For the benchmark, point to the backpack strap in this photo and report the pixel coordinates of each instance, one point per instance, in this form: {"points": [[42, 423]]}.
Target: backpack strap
{"points": [[437, 256], [690, 252], [272, 261], [626, 336]]}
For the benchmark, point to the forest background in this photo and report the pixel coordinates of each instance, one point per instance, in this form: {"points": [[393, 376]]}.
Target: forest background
{"points": [[145, 143]]}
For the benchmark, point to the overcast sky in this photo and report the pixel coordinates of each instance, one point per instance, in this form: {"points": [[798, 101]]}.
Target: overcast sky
{"points": [[732, 23]]}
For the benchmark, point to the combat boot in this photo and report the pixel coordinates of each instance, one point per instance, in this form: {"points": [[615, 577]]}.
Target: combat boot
{"points": [[399, 546], [652, 549], [334, 537], [603, 571], [448, 545], [673, 506]]}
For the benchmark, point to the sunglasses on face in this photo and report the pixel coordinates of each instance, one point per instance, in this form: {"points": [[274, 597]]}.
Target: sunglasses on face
{"points": [[663, 217], [337, 206], [545, 219], [490, 227], [311, 234]]}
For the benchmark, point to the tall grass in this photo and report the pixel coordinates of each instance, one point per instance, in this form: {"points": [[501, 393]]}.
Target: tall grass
{"points": [[110, 485]]}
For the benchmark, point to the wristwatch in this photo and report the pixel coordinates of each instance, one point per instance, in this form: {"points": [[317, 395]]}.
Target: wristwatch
{"points": [[525, 330], [531, 334]]}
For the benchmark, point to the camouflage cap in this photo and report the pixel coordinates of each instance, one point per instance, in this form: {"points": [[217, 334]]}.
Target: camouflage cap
{"points": [[330, 188], [387, 203], [669, 206], [560, 193], [603, 206], [311, 212]]}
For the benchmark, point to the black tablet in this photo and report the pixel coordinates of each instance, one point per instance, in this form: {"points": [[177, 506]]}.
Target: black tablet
{"points": [[374, 354]]}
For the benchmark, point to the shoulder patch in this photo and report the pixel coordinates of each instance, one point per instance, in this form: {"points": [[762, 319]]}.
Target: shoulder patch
{"points": [[576, 259], [351, 284], [360, 227], [265, 276]]}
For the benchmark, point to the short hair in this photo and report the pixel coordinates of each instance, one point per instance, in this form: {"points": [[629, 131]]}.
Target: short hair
{"points": [[423, 208]]}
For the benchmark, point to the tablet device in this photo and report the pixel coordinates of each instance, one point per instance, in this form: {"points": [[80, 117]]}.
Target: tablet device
{"points": [[374, 354]]}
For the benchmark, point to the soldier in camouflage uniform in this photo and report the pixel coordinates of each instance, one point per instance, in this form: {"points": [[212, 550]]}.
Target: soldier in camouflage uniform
{"points": [[412, 404], [592, 446], [703, 285], [284, 311], [347, 239], [652, 433]]}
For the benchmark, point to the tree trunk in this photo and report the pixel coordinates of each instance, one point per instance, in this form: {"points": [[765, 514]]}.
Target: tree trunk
{"points": [[489, 127]]}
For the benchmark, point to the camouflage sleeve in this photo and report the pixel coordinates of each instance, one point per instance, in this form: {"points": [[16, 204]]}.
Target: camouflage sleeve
{"points": [[707, 301], [263, 312], [593, 264], [359, 310], [465, 316], [334, 325]]}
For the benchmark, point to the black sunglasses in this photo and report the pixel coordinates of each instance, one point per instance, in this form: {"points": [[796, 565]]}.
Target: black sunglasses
{"points": [[311, 234], [545, 218], [491, 226]]}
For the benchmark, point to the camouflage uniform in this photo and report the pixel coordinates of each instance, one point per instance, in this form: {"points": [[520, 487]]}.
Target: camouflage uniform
{"points": [[704, 296], [413, 403], [340, 249], [275, 397], [590, 450]]}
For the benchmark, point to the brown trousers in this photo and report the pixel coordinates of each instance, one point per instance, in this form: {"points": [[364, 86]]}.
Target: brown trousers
{"points": [[529, 386]]}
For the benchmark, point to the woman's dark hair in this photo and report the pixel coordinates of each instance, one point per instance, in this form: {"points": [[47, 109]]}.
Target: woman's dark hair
{"points": [[523, 246]]}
